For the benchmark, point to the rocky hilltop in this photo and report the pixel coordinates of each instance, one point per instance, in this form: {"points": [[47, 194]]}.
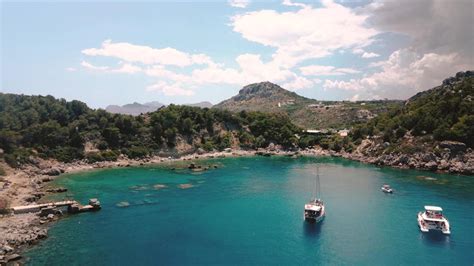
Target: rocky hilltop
{"points": [[306, 113]]}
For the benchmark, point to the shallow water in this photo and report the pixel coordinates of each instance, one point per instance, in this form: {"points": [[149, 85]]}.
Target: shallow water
{"points": [[250, 211]]}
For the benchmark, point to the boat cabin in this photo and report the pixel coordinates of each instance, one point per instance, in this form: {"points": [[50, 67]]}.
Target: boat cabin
{"points": [[433, 212], [313, 209]]}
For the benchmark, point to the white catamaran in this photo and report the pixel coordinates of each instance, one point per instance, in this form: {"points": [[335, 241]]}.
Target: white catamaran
{"points": [[314, 210], [432, 219]]}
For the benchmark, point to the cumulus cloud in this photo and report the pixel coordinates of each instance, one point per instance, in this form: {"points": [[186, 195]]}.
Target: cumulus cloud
{"points": [[441, 34], [239, 3], [146, 55], [299, 83], [435, 26], [402, 75], [318, 70], [442, 41], [305, 33]]}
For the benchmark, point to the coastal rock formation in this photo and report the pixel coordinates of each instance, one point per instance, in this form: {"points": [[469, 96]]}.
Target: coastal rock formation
{"points": [[453, 158]]}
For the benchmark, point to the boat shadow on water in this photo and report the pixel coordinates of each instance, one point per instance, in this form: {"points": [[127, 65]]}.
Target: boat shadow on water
{"points": [[312, 229], [436, 239]]}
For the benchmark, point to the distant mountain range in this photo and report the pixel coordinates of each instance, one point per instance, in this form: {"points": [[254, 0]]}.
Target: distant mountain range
{"points": [[138, 108], [305, 112]]}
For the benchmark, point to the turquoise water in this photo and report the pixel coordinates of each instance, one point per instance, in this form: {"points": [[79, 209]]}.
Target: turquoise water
{"points": [[250, 211]]}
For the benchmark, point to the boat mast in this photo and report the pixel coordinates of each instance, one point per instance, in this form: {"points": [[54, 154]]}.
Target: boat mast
{"points": [[318, 185]]}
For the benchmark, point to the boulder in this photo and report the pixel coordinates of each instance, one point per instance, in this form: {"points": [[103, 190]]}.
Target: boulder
{"points": [[453, 146], [431, 165], [12, 257], [6, 249], [428, 157], [57, 190], [52, 171], [200, 151]]}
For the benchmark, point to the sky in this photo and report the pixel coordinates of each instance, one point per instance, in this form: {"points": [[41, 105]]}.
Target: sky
{"points": [[119, 52]]}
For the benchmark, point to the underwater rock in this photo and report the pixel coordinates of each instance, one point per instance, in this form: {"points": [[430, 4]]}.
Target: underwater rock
{"points": [[185, 186], [159, 186], [123, 204]]}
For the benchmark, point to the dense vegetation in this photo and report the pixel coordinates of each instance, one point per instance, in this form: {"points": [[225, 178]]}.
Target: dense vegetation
{"points": [[52, 128], [442, 113]]}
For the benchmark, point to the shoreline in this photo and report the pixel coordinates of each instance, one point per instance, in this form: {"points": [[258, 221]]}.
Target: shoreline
{"points": [[29, 185]]}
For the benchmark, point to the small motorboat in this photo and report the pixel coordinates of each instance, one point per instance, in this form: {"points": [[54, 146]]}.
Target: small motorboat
{"points": [[432, 219], [387, 189]]}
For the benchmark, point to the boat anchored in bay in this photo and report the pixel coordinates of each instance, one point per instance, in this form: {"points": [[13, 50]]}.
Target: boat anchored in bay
{"points": [[387, 189], [432, 219], [314, 210]]}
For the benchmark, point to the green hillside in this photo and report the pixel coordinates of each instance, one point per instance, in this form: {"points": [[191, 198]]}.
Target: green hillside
{"points": [[445, 112], [54, 128]]}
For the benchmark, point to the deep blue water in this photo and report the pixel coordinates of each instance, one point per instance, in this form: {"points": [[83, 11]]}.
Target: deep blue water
{"points": [[250, 211]]}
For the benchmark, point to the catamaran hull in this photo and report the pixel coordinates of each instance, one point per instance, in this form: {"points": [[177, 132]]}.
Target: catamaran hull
{"points": [[425, 228]]}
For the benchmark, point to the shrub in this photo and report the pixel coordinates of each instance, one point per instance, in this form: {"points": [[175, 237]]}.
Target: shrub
{"points": [[137, 152], [18, 157], [2, 171]]}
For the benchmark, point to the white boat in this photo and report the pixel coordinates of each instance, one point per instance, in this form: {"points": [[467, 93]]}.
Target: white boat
{"points": [[314, 210], [432, 219], [387, 189]]}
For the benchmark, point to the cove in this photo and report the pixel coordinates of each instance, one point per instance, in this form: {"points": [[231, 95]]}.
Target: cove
{"points": [[250, 211]]}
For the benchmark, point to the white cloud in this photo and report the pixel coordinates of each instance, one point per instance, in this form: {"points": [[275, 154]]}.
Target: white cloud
{"points": [[127, 68], [93, 67], [363, 53], [170, 89], [299, 83], [369, 55], [124, 68], [404, 73], [239, 3], [290, 3], [71, 69], [317, 70], [439, 26], [146, 55], [306, 33]]}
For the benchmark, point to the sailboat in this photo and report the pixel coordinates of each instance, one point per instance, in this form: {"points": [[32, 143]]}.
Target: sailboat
{"points": [[314, 210]]}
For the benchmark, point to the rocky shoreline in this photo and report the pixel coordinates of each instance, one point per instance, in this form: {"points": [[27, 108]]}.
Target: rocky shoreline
{"points": [[29, 184], [448, 157]]}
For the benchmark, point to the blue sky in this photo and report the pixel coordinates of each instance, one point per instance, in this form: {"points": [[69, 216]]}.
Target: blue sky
{"points": [[183, 52]]}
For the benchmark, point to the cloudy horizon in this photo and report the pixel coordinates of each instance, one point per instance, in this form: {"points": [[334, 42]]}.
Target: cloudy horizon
{"points": [[119, 53]]}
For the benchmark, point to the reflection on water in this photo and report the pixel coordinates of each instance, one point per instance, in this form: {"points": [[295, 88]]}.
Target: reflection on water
{"points": [[436, 239], [312, 229]]}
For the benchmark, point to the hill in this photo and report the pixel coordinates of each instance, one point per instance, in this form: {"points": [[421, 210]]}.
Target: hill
{"points": [[204, 104], [306, 113], [433, 129], [134, 108], [42, 126]]}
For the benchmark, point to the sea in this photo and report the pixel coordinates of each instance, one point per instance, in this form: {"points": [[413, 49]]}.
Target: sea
{"points": [[249, 211]]}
